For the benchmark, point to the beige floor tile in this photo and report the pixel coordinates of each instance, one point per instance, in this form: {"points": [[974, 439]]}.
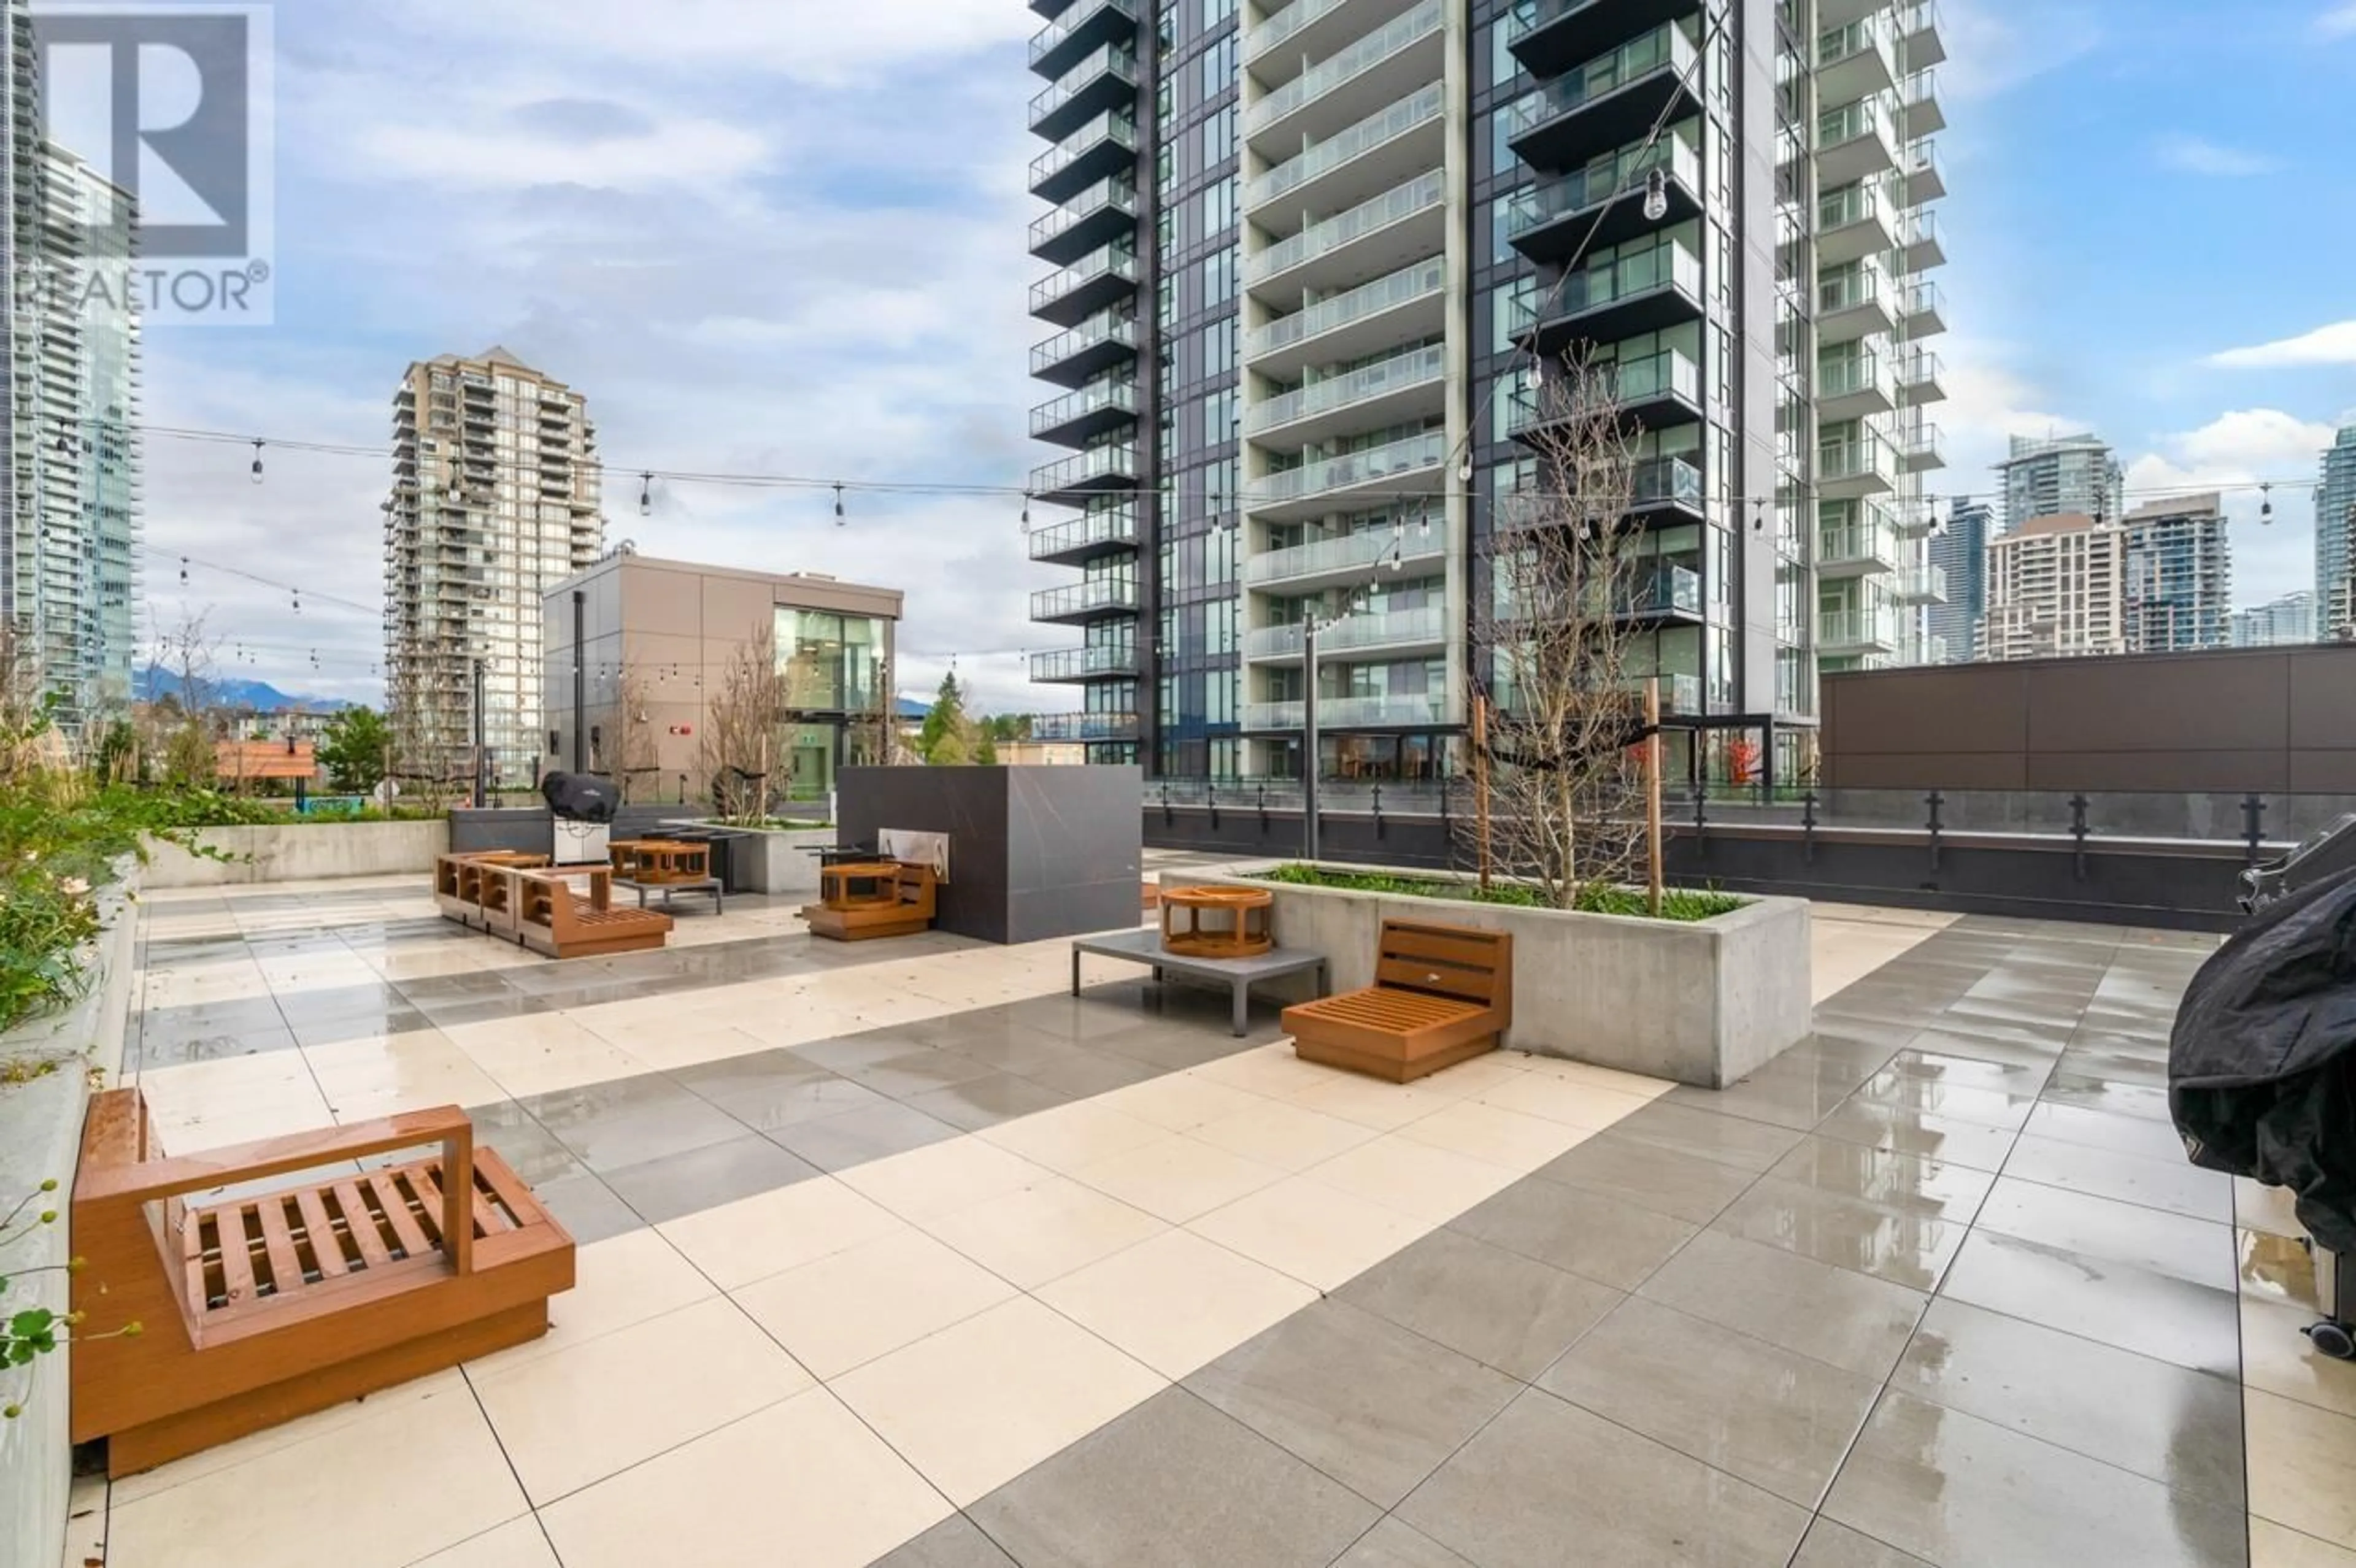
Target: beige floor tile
{"points": [[1072, 1136], [1272, 1071], [2272, 1546], [276, 1508], [1467, 1079], [1034, 1235], [545, 1065], [1509, 1139], [1283, 1135], [943, 1178], [844, 1311], [668, 1049], [518, 1543], [2301, 1460], [2278, 1356], [1178, 1101], [770, 1232], [1371, 1102], [802, 1483], [1413, 1179], [1314, 1232], [412, 1072], [618, 1281], [1178, 1177], [1563, 1100], [591, 1409], [1636, 1083], [1177, 1302], [976, 1405], [302, 1429]]}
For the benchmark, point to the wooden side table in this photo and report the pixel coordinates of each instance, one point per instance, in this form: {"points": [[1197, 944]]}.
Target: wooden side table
{"points": [[1241, 922]]}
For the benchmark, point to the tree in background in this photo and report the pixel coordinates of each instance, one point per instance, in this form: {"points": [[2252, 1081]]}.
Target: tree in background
{"points": [[949, 739], [744, 734], [353, 746], [187, 651], [986, 754]]}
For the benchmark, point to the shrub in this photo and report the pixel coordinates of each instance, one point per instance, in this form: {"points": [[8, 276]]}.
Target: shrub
{"points": [[1683, 904]]}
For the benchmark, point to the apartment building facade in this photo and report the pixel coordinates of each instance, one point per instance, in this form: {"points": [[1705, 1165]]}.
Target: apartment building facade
{"points": [[2179, 582], [497, 496], [2335, 534], [1959, 554], [2068, 475], [1299, 355], [2057, 589], [2286, 621]]}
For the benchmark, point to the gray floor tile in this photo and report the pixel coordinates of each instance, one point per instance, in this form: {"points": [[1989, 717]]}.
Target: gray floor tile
{"points": [[2195, 1250], [2037, 1058], [838, 1143], [1690, 1186], [1972, 1144], [484, 1009], [532, 1151], [1973, 1073], [1394, 1545], [1771, 1416], [630, 1121], [1909, 1249], [1367, 1403], [587, 1209], [2164, 1422], [1091, 1072], [985, 1102], [1943, 1097], [1548, 1484], [1930, 1187], [955, 1542], [2103, 1129], [1956, 1491], [1599, 1238], [750, 1073], [915, 1072], [2112, 1304], [1730, 1140], [1174, 1482], [675, 1184], [2175, 1186], [1831, 1545], [1849, 1320], [787, 1101], [1513, 1313], [857, 1051], [2076, 1084]]}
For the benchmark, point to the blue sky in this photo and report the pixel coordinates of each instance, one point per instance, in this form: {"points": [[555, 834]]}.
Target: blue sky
{"points": [[786, 236]]}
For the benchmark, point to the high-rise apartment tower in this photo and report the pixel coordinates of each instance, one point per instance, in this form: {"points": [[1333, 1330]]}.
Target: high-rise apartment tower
{"points": [[2180, 576], [2335, 530], [2072, 475], [1959, 554]]}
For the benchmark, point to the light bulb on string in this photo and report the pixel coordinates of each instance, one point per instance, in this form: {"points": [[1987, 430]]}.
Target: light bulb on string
{"points": [[258, 445], [1465, 467], [646, 495], [1026, 511], [184, 571], [838, 506], [1656, 194], [2266, 511]]}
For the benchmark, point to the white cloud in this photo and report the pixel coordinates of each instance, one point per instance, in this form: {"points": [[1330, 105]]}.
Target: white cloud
{"points": [[1988, 404], [2234, 455], [2332, 345], [2339, 22], [2198, 156]]}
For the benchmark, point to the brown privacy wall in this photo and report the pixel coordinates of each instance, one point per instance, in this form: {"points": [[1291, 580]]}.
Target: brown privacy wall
{"points": [[2259, 720]]}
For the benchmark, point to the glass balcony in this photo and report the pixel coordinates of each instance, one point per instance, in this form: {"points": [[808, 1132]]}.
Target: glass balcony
{"points": [[1859, 58], [1098, 150], [1849, 469], [1662, 591], [1854, 222], [1331, 561], [1333, 713], [1086, 25], [1918, 232], [1096, 472], [1095, 728], [1104, 80], [1080, 416], [1551, 223], [1858, 549], [1679, 693], [1606, 103], [1396, 36], [1924, 310], [1090, 600], [1855, 385], [1856, 631], [1076, 356], [1085, 222], [1362, 633], [1920, 448], [1084, 664], [1925, 585], [1921, 113], [1322, 239], [1668, 485], [1926, 177], [1424, 280], [1855, 142], [1922, 34], [1921, 379], [1089, 537], [1386, 378], [1854, 301], [1649, 291], [1331, 154], [1355, 471], [1551, 37], [1077, 291], [1656, 390]]}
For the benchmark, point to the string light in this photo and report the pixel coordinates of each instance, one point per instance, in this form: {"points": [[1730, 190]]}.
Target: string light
{"points": [[2266, 512], [647, 494], [838, 506], [1656, 194], [257, 460]]}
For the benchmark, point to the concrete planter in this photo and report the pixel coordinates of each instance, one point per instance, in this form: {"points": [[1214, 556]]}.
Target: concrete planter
{"points": [[40, 1139], [775, 860], [301, 853], [1706, 1003]]}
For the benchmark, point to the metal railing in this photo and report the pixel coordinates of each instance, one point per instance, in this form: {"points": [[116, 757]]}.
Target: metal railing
{"points": [[1423, 280], [1116, 524], [1411, 455], [1400, 202], [1369, 629], [1416, 367], [1666, 47], [1402, 32], [1351, 552], [1084, 598], [1331, 153]]}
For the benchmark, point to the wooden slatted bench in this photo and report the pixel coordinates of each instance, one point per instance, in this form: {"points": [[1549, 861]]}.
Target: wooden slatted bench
{"points": [[1442, 994], [904, 900], [258, 1309], [458, 882], [552, 918]]}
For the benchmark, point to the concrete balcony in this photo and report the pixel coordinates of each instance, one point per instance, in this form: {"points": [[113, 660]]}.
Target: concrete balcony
{"points": [[1337, 713], [1845, 634], [1089, 537], [1288, 42], [1854, 304], [1855, 387], [1921, 35], [1653, 393], [1373, 397], [1356, 162], [1349, 560], [1855, 142], [1610, 102], [1852, 470], [1650, 291], [1079, 417], [1396, 632], [1923, 311], [1076, 665], [1399, 307], [1089, 25], [1856, 59], [1358, 79], [1926, 177], [1923, 585], [1090, 222], [1663, 492], [1104, 80], [1076, 357], [1102, 470], [1865, 548], [1093, 728], [1921, 379], [1088, 285], [1103, 148], [1918, 235], [1603, 205], [1405, 224], [1398, 470], [1853, 223], [1077, 603], [1552, 36], [1920, 113], [1922, 449]]}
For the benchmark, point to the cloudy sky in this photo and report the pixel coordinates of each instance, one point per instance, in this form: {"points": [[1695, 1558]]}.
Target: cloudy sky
{"points": [[786, 236]]}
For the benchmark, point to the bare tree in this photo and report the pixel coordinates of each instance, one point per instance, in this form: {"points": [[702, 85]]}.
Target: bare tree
{"points": [[635, 753], [27, 735], [744, 735], [1566, 793], [420, 760]]}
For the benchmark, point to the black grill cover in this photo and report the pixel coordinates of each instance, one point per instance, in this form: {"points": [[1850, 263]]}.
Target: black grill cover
{"points": [[581, 798], [2262, 1066]]}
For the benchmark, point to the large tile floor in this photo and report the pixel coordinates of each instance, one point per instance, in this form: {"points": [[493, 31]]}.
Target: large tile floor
{"points": [[897, 1252]]}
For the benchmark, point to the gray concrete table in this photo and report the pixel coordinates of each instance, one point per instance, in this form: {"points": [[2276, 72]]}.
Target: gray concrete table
{"points": [[1237, 974], [709, 886]]}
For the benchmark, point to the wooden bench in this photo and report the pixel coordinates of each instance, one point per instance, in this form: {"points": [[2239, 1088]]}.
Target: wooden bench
{"points": [[900, 899], [458, 882], [256, 1310], [1442, 994], [552, 918]]}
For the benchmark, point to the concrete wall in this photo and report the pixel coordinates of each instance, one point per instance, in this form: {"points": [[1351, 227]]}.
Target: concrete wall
{"points": [[1706, 1003], [2233, 721], [301, 853]]}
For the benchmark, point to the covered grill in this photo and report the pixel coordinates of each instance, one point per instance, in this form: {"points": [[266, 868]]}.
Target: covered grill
{"points": [[583, 805]]}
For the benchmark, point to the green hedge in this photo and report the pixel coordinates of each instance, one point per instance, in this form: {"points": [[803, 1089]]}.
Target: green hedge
{"points": [[1682, 904]]}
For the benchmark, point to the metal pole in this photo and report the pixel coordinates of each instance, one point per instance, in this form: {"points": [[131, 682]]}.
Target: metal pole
{"points": [[478, 736], [580, 675], [1653, 797], [1481, 785], [1309, 743]]}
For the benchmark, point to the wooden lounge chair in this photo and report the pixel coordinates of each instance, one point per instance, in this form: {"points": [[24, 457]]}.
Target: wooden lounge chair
{"points": [[257, 1310], [1442, 994], [901, 900], [552, 918]]}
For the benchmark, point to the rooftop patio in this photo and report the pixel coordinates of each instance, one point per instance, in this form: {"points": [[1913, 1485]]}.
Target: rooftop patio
{"points": [[898, 1253]]}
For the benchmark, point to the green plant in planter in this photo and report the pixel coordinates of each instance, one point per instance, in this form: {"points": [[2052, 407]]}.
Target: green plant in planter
{"points": [[1677, 905], [32, 1332]]}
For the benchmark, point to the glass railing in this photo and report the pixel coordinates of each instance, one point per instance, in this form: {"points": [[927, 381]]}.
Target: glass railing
{"points": [[1668, 264], [1368, 629], [1272, 33], [1119, 394], [1873, 34], [1424, 278], [1854, 377], [1921, 90], [1400, 33], [1531, 14], [1112, 125], [1849, 205], [1101, 328], [1400, 202], [1924, 300], [1429, 450], [1663, 375], [1921, 17], [1118, 459], [1112, 526], [1349, 712], [1119, 261], [1919, 227], [1417, 367], [1856, 629], [1118, 59], [1048, 39], [1084, 598], [1920, 369], [1922, 444], [1852, 122], [1856, 541], [1666, 480], [1850, 290], [1924, 167], [1621, 177], [1927, 584], [1116, 194], [1351, 552], [1867, 458], [1082, 664], [1664, 48], [1343, 145], [1098, 727]]}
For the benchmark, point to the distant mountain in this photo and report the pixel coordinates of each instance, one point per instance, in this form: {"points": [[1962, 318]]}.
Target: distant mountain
{"points": [[156, 681]]}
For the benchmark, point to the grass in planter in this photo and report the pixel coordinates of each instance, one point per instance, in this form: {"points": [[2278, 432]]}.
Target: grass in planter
{"points": [[1681, 904]]}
